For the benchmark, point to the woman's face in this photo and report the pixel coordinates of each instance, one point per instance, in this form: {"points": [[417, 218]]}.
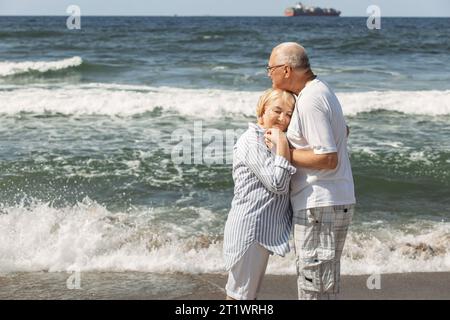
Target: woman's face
{"points": [[277, 115]]}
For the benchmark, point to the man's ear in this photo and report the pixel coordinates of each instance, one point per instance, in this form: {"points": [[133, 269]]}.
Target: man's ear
{"points": [[287, 72]]}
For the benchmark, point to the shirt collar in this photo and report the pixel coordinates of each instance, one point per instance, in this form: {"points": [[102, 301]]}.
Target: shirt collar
{"points": [[256, 127], [313, 80]]}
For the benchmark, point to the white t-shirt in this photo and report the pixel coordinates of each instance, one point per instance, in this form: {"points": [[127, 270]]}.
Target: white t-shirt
{"points": [[318, 124]]}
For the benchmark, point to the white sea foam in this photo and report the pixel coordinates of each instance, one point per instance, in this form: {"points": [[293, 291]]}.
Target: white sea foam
{"points": [[8, 68], [124, 100], [431, 102], [87, 237]]}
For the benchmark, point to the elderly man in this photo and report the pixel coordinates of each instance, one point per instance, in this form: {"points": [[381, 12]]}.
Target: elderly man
{"points": [[322, 192]]}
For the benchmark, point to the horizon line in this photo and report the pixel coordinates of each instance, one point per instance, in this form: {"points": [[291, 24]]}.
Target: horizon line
{"points": [[204, 15]]}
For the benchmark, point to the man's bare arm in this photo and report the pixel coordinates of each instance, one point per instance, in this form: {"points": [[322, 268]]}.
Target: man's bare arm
{"points": [[308, 159]]}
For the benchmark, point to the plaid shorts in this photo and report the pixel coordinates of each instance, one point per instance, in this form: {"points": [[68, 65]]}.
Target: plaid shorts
{"points": [[319, 237]]}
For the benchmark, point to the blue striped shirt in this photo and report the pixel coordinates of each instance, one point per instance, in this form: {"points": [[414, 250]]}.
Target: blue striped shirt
{"points": [[260, 210]]}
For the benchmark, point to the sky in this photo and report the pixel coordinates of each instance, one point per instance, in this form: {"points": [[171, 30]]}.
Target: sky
{"points": [[398, 8]]}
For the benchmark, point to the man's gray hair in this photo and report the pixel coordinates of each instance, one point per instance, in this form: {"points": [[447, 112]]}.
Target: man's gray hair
{"points": [[292, 54]]}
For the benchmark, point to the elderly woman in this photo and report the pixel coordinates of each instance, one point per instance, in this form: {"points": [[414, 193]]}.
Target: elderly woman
{"points": [[259, 222]]}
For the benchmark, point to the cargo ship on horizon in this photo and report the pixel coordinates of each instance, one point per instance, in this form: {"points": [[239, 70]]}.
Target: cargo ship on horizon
{"points": [[301, 10]]}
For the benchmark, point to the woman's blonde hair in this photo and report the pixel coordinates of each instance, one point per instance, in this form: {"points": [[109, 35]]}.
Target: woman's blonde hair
{"points": [[271, 95]]}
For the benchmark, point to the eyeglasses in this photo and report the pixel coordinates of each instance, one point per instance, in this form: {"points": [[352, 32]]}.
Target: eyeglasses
{"points": [[270, 69]]}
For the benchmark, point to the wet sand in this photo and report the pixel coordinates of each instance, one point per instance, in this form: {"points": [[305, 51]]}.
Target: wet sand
{"points": [[150, 286]]}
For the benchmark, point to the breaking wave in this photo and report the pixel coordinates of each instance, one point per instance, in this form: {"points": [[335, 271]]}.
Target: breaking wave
{"points": [[88, 237], [128, 100], [8, 68]]}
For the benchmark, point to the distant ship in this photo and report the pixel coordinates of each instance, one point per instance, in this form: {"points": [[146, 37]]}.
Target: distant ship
{"points": [[302, 10]]}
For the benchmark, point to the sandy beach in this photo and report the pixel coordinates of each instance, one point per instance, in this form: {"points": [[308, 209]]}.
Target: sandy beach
{"points": [[150, 286]]}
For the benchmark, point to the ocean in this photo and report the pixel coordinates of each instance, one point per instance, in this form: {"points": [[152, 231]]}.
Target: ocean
{"points": [[116, 139]]}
